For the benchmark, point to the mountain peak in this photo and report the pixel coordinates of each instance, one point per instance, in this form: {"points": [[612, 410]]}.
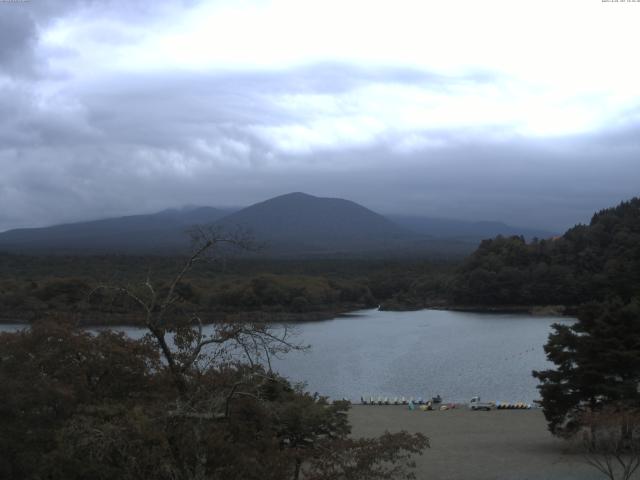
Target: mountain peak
{"points": [[293, 196], [305, 221]]}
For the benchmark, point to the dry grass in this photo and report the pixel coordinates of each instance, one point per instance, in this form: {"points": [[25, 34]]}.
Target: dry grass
{"points": [[496, 445]]}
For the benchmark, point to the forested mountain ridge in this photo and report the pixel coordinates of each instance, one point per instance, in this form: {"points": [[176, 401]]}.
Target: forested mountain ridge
{"points": [[295, 224], [298, 222], [589, 262], [162, 232]]}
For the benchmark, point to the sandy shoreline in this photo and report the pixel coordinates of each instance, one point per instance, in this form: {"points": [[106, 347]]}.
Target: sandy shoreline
{"points": [[496, 445]]}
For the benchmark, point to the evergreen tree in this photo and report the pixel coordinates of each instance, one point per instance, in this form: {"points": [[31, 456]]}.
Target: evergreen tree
{"points": [[597, 363]]}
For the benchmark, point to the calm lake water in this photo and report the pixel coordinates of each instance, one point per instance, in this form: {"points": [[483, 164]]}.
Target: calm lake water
{"points": [[420, 354]]}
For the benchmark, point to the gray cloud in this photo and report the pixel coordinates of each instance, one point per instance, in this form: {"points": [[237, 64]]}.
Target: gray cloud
{"points": [[20, 27], [18, 36], [128, 143]]}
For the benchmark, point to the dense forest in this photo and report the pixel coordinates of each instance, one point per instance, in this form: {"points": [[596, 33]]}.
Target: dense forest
{"points": [[589, 262], [32, 287]]}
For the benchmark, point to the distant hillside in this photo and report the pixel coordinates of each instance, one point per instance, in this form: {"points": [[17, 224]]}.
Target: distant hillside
{"points": [[295, 224], [163, 232], [299, 222], [589, 262], [464, 230]]}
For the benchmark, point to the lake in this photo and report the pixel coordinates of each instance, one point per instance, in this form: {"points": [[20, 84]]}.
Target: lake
{"points": [[420, 354], [423, 353]]}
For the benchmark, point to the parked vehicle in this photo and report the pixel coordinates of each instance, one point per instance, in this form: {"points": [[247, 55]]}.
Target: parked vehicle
{"points": [[476, 404]]}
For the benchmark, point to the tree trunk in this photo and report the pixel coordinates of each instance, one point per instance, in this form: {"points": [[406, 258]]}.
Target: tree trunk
{"points": [[296, 474]]}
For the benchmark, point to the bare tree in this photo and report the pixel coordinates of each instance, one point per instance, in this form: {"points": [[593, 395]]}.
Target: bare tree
{"points": [[192, 350], [611, 438], [180, 334]]}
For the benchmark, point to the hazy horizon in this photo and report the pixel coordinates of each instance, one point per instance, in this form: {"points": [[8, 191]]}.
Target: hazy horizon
{"points": [[232, 208], [527, 113]]}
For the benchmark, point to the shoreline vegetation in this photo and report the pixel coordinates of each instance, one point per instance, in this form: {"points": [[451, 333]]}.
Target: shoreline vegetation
{"points": [[135, 320], [535, 310]]}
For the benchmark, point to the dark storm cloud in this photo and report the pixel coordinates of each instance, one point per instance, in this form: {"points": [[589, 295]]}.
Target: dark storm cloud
{"points": [[525, 183]]}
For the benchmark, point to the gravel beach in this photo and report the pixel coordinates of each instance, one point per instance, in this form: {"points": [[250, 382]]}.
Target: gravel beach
{"points": [[495, 445]]}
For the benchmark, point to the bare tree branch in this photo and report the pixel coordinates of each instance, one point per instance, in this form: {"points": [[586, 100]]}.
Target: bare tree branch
{"points": [[158, 305]]}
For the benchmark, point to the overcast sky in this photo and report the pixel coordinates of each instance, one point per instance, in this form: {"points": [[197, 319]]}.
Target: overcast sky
{"points": [[522, 111]]}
